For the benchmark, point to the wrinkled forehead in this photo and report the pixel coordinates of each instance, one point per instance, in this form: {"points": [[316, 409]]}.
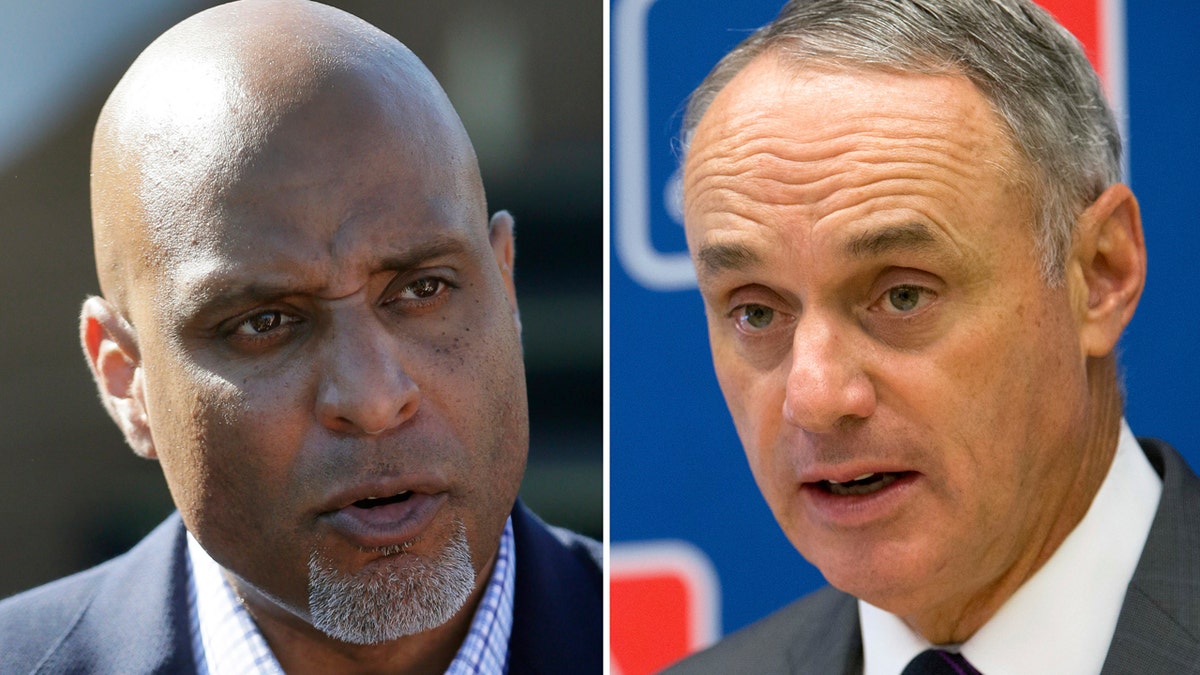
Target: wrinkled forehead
{"points": [[814, 120], [829, 95]]}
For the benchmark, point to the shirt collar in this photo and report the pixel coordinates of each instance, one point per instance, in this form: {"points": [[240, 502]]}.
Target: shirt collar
{"points": [[1062, 619], [485, 650], [225, 639]]}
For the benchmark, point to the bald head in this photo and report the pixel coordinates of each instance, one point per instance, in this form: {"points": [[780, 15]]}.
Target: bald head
{"points": [[239, 88]]}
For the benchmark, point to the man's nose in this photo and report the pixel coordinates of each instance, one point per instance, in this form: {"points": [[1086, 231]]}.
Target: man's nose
{"points": [[826, 386], [364, 388]]}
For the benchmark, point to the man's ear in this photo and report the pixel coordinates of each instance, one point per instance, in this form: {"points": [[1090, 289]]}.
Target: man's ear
{"points": [[504, 247], [110, 346], [1111, 253]]}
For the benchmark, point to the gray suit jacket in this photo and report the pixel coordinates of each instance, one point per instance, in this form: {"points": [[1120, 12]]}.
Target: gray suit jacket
{"points": [[1158, 630]]}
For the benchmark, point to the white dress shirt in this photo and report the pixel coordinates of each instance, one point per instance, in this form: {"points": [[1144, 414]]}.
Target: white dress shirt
{"points": [[1062, 619]]}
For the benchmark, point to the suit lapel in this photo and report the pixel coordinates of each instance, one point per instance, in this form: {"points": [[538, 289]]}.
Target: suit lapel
{"points": [[833, 643], [137, 621], [1160, 618], [555, 587]]}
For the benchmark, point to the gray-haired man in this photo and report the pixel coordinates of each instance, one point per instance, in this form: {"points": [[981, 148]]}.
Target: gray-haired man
{"points": [[916, 260]]}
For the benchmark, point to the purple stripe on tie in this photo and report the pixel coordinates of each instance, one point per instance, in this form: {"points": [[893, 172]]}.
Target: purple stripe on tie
{"points": [[953, 663], [939, 662], [958, 662]]}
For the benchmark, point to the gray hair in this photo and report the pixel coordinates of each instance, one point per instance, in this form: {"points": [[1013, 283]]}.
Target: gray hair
{"points": [[1030, 69]]}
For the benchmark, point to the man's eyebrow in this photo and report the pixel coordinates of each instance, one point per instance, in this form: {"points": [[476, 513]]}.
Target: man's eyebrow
{"points": [[906, 237], [217, 293], [419, 253], [715, 258]]}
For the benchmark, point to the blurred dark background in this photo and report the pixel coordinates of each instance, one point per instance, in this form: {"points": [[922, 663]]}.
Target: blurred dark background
{"points": [[525, 75]]}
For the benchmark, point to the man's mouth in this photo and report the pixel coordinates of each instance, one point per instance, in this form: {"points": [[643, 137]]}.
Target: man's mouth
{"points": [[380, 520], [372, 502], [868, 483]]}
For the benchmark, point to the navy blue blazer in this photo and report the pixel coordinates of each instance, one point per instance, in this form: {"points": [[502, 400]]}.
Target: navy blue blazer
{"points": [[130, 615]]}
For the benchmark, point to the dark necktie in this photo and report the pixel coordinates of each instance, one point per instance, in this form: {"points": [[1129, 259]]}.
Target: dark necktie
{"points": [[938, 662]]}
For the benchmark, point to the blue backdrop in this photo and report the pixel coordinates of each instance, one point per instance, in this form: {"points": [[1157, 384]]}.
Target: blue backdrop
{"points": [[677, 468]]}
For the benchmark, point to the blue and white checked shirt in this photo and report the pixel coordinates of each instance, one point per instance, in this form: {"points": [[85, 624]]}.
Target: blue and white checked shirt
{"points": [[226, 641]]}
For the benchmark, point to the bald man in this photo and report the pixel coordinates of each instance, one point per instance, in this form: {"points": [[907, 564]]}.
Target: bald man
{"points": [[310, 322]]}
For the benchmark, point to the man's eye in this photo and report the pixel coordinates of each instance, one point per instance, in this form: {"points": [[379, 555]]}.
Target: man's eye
{"points": [[263, 322], [752, 318], [905, 299], [422, 289]]}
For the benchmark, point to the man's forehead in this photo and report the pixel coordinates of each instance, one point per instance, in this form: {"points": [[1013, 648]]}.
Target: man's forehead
{"points": [[341, 210], [859, 165], [779, 135], [215, 139], [808, 100], [333, 178]]}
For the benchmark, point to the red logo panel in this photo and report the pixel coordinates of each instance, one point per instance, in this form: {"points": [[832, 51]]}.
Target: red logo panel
{"points": [[663, 602]]}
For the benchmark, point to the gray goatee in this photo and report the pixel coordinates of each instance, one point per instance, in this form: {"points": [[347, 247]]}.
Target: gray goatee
{"points": [[404, 596]]}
